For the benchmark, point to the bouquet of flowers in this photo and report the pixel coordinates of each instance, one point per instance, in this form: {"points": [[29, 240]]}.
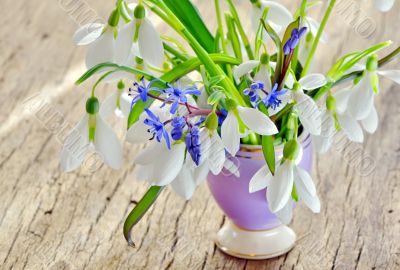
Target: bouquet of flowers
{"points": [[195, 107]]}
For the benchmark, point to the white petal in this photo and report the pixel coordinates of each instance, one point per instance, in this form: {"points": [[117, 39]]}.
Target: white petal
{"points": [[394, 75], [342, 99], [309, 113], [362, 98], [370, 124], [166, 163], [285, 215], [278, 15], [216, 158], [150, 44], [232, 168], [138, 133], [384, 5], [312, 81], [205, 145], [280, 188], [101, 50], [351, 128], [125, 103], [88, 33], [304, 177], [123, 43], [324, 141], [260, 180], [109, 105], [257, 121], [306, 196], [200, 173], [230, 134], [75, 147], [244, 68], [184, 184], [107, 144], [264, 76]]}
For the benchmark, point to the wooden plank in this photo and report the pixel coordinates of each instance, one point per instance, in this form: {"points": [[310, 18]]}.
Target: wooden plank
{"points": [[51, 220]]}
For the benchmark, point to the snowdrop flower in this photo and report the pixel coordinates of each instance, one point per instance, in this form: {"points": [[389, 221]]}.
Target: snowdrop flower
{"points": [[118, 103], [263, 74], [142, 31], [280, 186], [384, 5], [278, 16], [250, 120], [92, 132], [306, 108]]}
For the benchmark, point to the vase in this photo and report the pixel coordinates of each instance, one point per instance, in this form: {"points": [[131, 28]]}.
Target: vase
{"points": [[251, 231]]}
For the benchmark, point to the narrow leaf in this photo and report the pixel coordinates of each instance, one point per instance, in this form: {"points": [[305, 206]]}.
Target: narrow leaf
{"points": [[269, 152]]}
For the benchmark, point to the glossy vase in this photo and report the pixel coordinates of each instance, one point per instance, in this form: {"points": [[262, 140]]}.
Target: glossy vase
{"points": [[251, 231]]}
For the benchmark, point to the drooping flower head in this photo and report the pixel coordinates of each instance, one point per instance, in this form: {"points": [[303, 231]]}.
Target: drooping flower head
{"points": [[157, 127], [178, 94], [272, 99], [253, 91], [294, 40], [141, 91], [192, 141]]}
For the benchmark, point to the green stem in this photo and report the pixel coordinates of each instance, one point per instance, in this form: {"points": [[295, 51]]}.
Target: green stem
{"points": [[318, 37], [242, 32], [302, 14]]}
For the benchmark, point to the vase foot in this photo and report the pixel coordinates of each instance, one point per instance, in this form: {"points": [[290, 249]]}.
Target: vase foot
{"points": [[255, 245]]}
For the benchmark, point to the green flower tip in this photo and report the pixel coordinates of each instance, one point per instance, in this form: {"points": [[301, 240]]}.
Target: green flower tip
{"points": [[372, 63], [121, 85], [92, 105], [231, 104], [331, 103], [211, 122], [113, 20], [296, 86], [139, 12], [264, 59], [291, 150]]}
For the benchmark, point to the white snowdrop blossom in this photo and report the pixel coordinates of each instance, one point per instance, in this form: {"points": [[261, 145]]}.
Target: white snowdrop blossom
{"points": [[252, 120], [118, 103], [92, 133], [279, 186], [279, 17]]}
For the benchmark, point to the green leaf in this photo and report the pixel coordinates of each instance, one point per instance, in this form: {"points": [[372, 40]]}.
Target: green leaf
{"points": [[189, 15], [278, 43], [215, 97], [288, 32], [139, 210], [269, 152]]}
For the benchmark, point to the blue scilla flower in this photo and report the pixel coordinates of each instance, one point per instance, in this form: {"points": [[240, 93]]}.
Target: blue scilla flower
{"points": [[272, 98], [193, 145], [222, 116], [157, 128], [178, 123], [141, 91], [294, 40], [253, 91], [178, 94]]}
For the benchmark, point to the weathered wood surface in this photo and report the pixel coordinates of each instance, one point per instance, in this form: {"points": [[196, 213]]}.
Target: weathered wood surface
{"points": [[51, 220]]}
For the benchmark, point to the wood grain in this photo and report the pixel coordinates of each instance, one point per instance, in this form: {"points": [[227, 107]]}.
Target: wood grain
{"points": [[52, 220]]}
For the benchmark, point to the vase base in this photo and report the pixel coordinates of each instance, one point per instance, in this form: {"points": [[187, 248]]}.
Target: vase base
{"points": [[255, 245]]}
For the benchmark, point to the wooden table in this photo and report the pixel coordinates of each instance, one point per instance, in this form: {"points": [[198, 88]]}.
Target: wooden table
{"points": [[53, 220]]}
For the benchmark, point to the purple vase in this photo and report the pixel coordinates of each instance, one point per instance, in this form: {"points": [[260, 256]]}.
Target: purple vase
{"points": [[249, 211]]}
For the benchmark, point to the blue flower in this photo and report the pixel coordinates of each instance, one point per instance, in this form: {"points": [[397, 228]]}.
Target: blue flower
{"points": [[141, 90], [192, 141], [157, 128], [222, 116], [293, 41], [272, 99], [253, 91], [177, 95], [178, 123]]}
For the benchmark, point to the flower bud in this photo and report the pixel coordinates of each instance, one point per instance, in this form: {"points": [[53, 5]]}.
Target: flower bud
{"points": [[264, 59], [92, 105], [113, 20], [212, 121], [372, 63], [139, 12], [291, 150], [331, 103]]}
